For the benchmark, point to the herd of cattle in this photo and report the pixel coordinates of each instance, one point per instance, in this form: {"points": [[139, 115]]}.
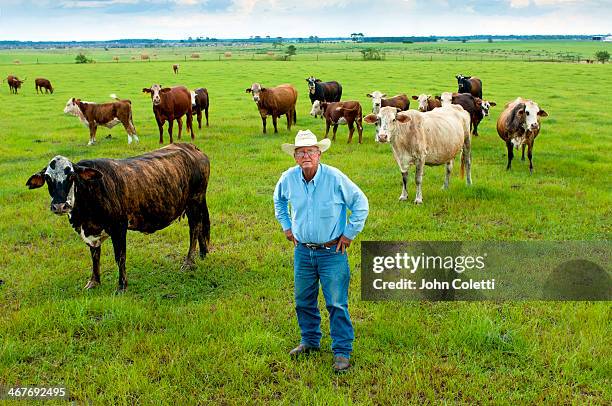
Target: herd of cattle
{"points": [[107, 197]]}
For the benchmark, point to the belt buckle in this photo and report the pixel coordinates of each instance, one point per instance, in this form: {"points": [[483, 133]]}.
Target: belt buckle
{"points": [[313, 246]]}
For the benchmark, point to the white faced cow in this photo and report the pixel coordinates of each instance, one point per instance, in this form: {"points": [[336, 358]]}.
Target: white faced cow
{"points": [[432, 138], [400, 101]]}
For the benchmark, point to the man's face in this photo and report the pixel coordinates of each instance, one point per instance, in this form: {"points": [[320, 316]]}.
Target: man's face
{"points": [[307, 157]]}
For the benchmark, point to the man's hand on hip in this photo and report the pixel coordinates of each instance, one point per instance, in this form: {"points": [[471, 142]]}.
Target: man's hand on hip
{"points": [[290, 237], [343, 244]]}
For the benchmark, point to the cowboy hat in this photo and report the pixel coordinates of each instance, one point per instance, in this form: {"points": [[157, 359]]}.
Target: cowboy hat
{"points": [[305, 138]]}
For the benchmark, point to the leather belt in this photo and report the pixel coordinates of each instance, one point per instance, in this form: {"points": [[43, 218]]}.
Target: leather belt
{"points": [[326, 245]]}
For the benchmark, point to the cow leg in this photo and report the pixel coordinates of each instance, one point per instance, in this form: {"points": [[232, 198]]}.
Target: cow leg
{"points": [[529, 155], [360, 130], [263, 122], [449, 170], [523, 154], [170, 124], [199, 116], [206, 114], [119, 246], [327, 124], [160, 126], [95, 268], [195, 229], [404, 195], [418, 179], [335, 129], [204, 236], [475, 132], [510, 154], [289, 115], [466, 160], [92, 133], [180, 126], [274, 122], [189, 121], [351, 127]]}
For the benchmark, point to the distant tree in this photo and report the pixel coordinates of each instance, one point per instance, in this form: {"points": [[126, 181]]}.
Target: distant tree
{"points": [[291, 49], [490, 40], [602, 56], [357, 37], [277, 44], [372, 54], [81, 58]]}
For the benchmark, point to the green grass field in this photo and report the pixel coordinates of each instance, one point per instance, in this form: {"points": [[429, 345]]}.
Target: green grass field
{"points": [[222, 332]]}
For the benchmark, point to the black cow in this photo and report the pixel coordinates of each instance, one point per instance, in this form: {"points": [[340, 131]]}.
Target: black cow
{"points": [[469, 84], [323, 91], [107, 197]]}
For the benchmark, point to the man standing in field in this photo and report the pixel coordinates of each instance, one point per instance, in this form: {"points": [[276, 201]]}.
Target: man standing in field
{"points": [[317, 226]]}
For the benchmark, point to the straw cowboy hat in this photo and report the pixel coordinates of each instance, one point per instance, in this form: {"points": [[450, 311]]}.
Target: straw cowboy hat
{"points": [[305, 138]]}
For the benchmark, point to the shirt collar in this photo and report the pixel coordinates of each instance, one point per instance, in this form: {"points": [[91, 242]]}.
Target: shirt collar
{"points": [[316, 177]]}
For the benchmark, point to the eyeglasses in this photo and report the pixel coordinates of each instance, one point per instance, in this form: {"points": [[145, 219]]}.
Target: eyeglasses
{"points": [[304, 153]]}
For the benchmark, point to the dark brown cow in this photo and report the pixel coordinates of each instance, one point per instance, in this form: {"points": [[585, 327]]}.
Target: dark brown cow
{"points": [[400, 101], [199, 102], [175, 68], [105, 114], [427, 102], [275, 102], [171, 104], [107, 197], [471, 104], [14, 83], [42, 83], [344, 112], [469, 84], [519, 125]]}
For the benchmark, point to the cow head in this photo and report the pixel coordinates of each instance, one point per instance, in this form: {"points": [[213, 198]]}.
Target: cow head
{"points": [[156, 91], [464, 84], [376, 100], [311, 84], [486, 106], [422, 99], [446, 98], [317, 108], [385, 121], [256, 89], [532, 116], [72, 107], [62, 177]]}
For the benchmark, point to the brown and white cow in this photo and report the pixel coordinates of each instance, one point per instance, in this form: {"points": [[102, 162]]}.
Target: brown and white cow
{"points": [[427, 102], [107, 197], [199, 103], [337, 113], [171, 104], [275, 102], [175, 68], [400, 101], [108, 115], [519, 125], [14, 83], [433, 138], [42, 83]]}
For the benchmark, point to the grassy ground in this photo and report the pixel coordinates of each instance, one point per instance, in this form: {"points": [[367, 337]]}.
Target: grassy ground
{"points": [[222, 332], [434, 51]]}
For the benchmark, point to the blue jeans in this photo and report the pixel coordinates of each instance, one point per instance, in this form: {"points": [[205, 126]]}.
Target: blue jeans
{"points": [[331, 268]]}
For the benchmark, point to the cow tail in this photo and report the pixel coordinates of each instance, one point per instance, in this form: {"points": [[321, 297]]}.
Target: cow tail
{"points": [[205, 223], [463, 158], [466, 147]]}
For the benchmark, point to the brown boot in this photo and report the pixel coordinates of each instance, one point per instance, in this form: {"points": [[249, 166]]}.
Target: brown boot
{"points": [[302, 349], [341, 364]]}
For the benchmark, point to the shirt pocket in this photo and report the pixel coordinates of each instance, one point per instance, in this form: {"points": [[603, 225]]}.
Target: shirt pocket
{"points": [[327, 210]]}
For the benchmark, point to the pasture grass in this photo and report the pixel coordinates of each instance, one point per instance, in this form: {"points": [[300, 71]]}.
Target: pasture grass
{"points": [[222, 332]]}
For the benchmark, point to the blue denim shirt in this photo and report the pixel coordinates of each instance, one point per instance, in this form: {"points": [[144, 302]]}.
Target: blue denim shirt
{"points": [[319, 207]]}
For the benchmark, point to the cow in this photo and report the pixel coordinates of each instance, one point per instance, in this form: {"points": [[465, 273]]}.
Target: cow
{"points": [[171, 104], [469, 103], [323, 91], [400, 101], [107, 197], [14, 83], [518, 125], [469, 84], [275, 101], [105, 114], [346, 112], [432, 138], [175, 68], [42, 83], [427, 102], [199, 102]]}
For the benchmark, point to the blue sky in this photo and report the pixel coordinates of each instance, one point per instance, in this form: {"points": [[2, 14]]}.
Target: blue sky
{"points": [[175, 19]]}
